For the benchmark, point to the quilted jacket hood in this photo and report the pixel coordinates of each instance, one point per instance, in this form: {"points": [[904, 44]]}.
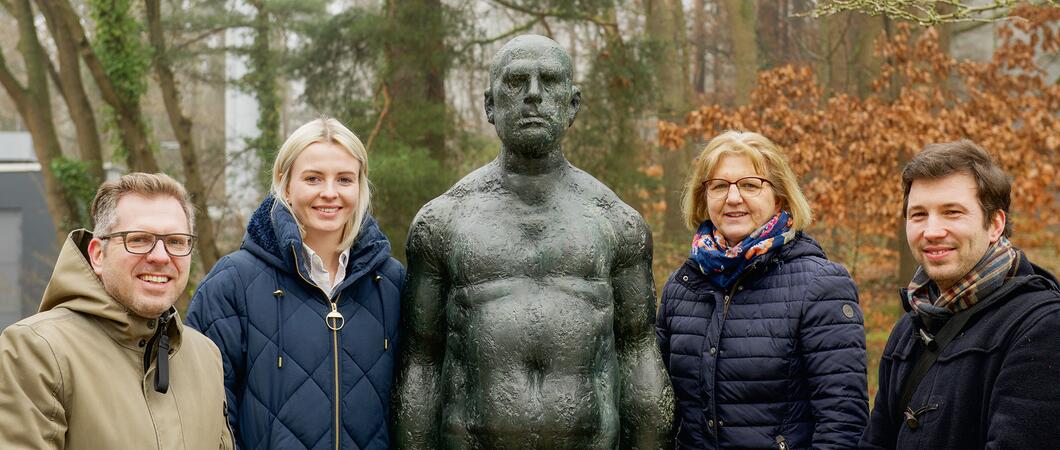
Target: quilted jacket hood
{"points": [[272, 235]]}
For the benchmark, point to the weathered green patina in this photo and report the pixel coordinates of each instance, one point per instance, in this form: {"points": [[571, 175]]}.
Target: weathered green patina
{"points": [[529, 307]]}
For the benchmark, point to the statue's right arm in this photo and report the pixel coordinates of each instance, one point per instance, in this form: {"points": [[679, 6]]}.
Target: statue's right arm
{"points": [[417, 393]]}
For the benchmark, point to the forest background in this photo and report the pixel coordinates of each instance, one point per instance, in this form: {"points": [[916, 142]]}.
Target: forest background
{"points": [[850, 90]]}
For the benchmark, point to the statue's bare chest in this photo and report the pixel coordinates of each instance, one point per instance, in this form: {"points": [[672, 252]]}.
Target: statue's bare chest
{"points": [[496, 239]]}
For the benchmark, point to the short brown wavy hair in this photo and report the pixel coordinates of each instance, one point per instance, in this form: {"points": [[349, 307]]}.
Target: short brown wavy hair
{"points": [[993, 186], [139, 183]]}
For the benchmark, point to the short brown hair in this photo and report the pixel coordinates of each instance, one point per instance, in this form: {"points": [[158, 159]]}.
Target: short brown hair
{"points": [[139, 183], [993, 187]]}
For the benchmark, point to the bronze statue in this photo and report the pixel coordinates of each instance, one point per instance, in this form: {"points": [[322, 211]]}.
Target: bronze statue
{"points": [[528, 311]]}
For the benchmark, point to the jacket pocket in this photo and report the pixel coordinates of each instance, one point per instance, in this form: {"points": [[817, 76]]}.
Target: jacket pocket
{"points": [[970, 342]]}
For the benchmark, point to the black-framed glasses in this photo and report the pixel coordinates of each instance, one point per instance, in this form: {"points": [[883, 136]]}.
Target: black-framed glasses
{"points": [[718, 188], [143, 242]]}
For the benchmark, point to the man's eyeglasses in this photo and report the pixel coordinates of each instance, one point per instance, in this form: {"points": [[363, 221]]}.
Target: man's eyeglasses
{"points": [[718, 188], [142, 242]]}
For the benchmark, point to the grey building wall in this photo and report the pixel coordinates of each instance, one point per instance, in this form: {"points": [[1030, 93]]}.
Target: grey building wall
{"points": [[26, 230]]}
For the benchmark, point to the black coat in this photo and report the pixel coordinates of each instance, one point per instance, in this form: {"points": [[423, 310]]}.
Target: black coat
{"points": [[996, 385], [785, 364]]}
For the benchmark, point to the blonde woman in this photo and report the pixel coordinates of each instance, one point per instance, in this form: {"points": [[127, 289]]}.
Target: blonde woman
{"points": [[306, 312], [760, 333]]}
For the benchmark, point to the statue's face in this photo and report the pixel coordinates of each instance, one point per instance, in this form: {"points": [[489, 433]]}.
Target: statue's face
{"points": [[531, 101]]}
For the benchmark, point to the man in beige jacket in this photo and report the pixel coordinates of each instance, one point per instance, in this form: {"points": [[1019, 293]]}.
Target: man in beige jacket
{"points": [[106, 363]]}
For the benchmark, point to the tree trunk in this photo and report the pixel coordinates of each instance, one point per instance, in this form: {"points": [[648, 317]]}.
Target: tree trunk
{"points": [[770, 28], [73, 92], [744, 47], [34, 105], [416, 67], [263, 77], [666, 36], [182, 129], [699, 45], [865, 65], [127, 112]]}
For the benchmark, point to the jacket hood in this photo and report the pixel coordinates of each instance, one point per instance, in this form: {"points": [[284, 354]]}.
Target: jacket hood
{"points": [[801, 246], [1032, 268], [272, 235], [76, 287]]}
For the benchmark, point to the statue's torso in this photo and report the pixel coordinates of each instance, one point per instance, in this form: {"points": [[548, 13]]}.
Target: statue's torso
{"points": [[530, 359]]}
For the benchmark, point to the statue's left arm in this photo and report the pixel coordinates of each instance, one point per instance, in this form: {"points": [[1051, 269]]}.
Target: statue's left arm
{"points": [[646, 403]]}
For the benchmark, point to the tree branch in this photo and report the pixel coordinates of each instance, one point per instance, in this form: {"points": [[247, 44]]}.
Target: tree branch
{"points": [[382, 115], [922, 12], [68, 81], [129, 117], [11, 84], [519, 29], [182, 129], [557, 14], [206, 34]]}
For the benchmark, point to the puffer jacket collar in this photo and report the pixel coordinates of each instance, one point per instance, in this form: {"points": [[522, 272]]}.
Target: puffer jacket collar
{"points": [[801, 245], [75, 286], [273, 236]]}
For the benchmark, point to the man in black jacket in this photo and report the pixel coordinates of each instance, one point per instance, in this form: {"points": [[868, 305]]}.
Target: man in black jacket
{"points": [[975, 361]]}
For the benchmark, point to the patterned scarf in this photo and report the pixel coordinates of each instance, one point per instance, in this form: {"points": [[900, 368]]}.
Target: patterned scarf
{"points": [[723, 263], [987, 275]]}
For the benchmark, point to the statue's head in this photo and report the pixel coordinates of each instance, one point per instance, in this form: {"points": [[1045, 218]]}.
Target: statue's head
{"points": [[531, 99]]}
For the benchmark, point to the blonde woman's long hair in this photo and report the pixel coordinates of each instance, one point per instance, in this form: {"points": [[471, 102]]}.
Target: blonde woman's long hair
{"points": [[767, 160], [323, 130]]}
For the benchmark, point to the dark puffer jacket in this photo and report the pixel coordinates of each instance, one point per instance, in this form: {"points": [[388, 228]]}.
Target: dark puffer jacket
{"points": [[996, 385], [783, 366], [291, 382]]}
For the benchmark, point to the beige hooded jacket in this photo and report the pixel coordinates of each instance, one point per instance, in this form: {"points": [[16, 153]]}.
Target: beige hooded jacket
{"points": [[72, 376]]}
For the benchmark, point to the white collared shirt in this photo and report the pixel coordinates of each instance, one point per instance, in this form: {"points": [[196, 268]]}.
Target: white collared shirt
{"points": [[320, 275]]}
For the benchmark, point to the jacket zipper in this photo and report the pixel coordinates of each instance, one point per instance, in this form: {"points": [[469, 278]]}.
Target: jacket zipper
{"points": [[781, 443], [334, 341], [732, 293], [335, 358]]}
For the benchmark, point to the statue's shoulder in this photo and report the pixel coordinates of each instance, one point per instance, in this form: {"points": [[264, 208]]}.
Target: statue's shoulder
{"points": [[603, 197], [628, 224], [434, 220], [481, 180], [429, 227]]}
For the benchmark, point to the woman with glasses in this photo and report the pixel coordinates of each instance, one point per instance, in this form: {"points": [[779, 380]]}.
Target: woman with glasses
{"points": [[760, 333], [306, 312]]}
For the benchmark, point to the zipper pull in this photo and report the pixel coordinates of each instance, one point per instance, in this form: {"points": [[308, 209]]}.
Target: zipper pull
{"points": [[334, 319], [162, 355]]}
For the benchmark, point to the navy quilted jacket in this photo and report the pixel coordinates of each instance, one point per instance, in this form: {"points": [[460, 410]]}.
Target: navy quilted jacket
{"points": [[291, 382], [781, 366]]}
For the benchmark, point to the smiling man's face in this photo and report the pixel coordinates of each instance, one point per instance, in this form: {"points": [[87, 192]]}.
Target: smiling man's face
{"points": [[531, 100], [146, 285], [946, 227]]}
